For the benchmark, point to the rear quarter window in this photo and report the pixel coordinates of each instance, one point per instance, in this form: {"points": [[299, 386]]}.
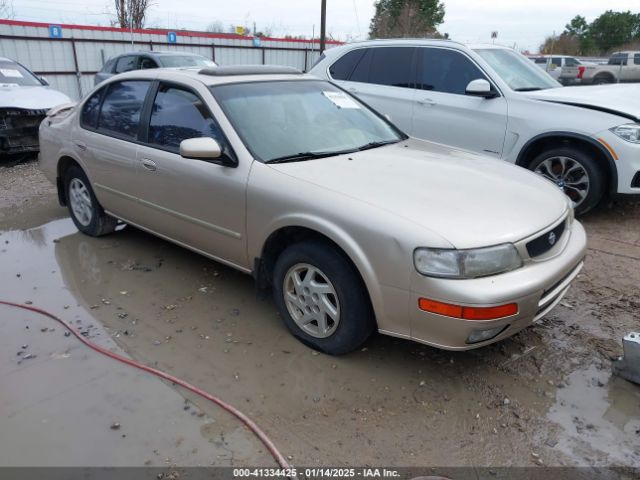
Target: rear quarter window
{"points": [[91, 109], [342, 69]]}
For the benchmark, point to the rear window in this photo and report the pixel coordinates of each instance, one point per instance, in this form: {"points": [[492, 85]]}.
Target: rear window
{"points": [[16, 74], [120, 113], [126, 64]]}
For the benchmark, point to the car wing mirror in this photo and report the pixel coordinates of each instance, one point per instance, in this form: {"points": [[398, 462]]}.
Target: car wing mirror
{"points": [[207, 149], [44, 81], [480, 88]]}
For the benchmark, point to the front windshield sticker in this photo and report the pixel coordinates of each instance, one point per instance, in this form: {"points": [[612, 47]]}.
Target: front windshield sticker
{"points": [[340, 99], [10, 72]]}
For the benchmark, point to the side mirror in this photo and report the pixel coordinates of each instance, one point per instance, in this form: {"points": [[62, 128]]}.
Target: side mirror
{"points": [[44, 81], [480, 88], [205, 148]]}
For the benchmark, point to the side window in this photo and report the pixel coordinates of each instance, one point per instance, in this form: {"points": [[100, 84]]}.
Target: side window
{"points": [[179, 114], [108, 67], [126, 64], [571, 62], [636, 59], [446, 71], [341, 70], [120, 113], [556, 61], [541, 60], [392, 66], [146, 62], [618, 59], [90, 110]]}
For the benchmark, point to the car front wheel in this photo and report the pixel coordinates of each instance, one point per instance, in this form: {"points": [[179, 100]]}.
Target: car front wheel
{"points": [[575, 173], [321, 298], [87, 214]]}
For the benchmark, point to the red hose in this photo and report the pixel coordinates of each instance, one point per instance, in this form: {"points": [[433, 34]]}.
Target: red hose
{"points": [[232, 410]]}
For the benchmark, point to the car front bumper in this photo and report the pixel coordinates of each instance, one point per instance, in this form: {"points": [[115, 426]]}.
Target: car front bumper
{"points": [[19, 130], [536, 287], [626, 157]]}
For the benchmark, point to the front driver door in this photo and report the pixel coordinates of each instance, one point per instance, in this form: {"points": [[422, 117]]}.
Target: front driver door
{"points": [[194, 202], [443, 113]]}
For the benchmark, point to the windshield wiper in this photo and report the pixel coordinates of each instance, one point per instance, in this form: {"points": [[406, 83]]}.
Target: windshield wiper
{"points": [[302, 156], [380, 143], [528, 89]]}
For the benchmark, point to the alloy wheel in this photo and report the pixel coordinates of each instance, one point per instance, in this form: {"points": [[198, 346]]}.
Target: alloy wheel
{"points": [[568, 174], [311, 300], [80, 202]]}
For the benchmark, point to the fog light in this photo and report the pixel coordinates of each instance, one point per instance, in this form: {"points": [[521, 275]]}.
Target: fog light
{"points": [[484, 335]]}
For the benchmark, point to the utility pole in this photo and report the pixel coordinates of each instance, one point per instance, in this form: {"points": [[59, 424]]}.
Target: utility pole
{"points": [[323, 24]]}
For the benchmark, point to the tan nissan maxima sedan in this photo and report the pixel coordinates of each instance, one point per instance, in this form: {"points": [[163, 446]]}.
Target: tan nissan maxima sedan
{"points": [[355, 226]]}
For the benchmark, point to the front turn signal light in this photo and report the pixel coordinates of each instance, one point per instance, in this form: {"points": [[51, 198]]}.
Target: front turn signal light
{"points": [[467, 313]]}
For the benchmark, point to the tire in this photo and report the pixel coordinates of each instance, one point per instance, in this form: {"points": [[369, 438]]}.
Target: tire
{"points": [[87, 214], [575, 172], [337, 298], [602, 80]]}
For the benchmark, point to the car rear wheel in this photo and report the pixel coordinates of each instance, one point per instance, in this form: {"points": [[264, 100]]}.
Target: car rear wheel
{"points": [[575, 173], [602, 79], [87, 214], [321, 298]]}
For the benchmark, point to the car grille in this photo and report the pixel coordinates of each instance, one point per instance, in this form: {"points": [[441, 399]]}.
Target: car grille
{"points": [[545, 242], [19, 129]]}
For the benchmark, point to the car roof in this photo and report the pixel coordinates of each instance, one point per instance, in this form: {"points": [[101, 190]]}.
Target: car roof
{"points": [[242, 75], [157, 53]]}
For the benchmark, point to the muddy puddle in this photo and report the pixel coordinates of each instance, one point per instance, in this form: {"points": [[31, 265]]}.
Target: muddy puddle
{"points": [[544, 397]]}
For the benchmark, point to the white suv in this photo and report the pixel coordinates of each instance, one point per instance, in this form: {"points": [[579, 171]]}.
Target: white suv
{"points": [[493, 100]]}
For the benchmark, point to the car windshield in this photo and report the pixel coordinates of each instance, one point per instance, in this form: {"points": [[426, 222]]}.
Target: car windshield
{"points": [[301, 119], [173, 61], [516, 70], [13, 73]]}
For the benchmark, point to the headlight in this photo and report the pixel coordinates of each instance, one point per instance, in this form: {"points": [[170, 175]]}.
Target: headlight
{"points": [[478, 262], [629, 132]]}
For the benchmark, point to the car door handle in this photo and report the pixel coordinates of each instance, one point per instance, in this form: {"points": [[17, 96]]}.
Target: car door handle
{"points": [[81, 146], [353, 90], [149, 164], [426, 102]]}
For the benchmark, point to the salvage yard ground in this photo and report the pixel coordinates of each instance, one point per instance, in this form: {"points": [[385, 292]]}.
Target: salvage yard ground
{"points": [[542, 397]]}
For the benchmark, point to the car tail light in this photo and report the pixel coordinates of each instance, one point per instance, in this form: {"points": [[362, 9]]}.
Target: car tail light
{"points": [[467, 313], [581, 71]]}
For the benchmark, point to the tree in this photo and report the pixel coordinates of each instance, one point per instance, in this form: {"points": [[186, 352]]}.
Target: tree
{"points": [[6, 9], [131, 13], [612, 29], [578, 26], [406, 18], [563, 44]]}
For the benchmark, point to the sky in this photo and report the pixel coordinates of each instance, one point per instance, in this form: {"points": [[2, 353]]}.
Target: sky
{"points": [[523, 23]]}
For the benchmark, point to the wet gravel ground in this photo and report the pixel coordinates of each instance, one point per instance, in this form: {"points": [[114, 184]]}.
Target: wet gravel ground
{"points": [[543, 397]]}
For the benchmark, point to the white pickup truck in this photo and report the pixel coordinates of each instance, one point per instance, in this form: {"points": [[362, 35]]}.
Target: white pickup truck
{"points": [[622, 67]]}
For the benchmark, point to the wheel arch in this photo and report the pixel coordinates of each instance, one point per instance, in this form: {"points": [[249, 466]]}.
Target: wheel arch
{"points": [[285, 235], [64, 163], [557, 139]]}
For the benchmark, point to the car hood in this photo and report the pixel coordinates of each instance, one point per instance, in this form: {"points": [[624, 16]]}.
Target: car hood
{"points": [[619, 99], [468, 199], [33, 98]]}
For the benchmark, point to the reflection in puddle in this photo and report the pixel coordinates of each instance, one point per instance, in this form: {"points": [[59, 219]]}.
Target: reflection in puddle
{"points": [[601, 411]]}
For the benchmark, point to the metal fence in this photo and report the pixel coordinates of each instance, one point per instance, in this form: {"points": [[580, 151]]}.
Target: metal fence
{"points": [[70, 55]]}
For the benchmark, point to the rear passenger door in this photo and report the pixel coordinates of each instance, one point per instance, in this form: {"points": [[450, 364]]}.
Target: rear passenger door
{"points": [[383, 77], [443, 112], [107, 141], [195, 202]]}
